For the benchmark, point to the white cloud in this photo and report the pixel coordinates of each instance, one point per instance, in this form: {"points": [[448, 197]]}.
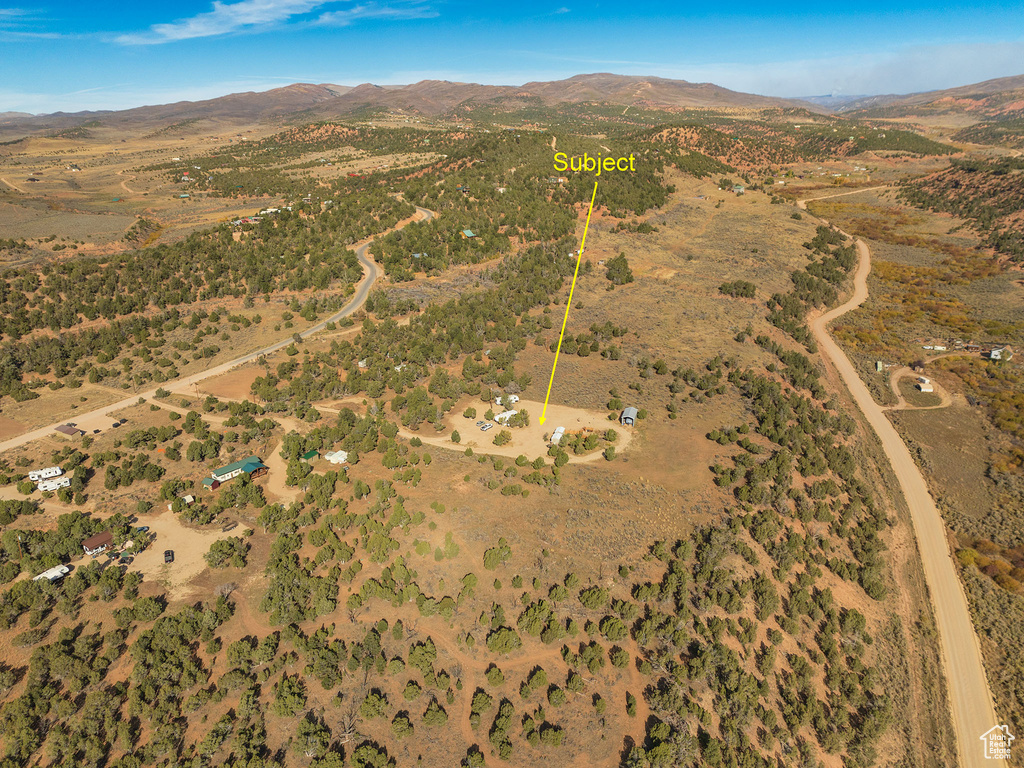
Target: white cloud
{"points": [[345, 17], [257, 15], [223, 19]]}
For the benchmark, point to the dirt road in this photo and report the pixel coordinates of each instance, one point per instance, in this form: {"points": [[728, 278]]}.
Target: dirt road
{"points": [[15, 187], [101, 417], [973, 710]]}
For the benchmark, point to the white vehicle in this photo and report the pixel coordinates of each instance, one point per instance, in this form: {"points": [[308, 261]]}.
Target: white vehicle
{"points": [[53, 485], [43, 474], [56, 573]]}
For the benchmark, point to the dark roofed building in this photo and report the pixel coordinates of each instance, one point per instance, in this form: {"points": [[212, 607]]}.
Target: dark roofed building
{"points": [[67, 429], [250, 465], [94, 545]]}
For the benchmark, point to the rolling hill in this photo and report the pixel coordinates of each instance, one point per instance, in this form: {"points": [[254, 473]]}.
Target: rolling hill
{"points": [[428, 97]]}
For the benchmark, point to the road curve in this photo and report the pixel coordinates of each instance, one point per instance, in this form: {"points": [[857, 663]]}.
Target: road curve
{"points": [[970, 697], [100, 417]]}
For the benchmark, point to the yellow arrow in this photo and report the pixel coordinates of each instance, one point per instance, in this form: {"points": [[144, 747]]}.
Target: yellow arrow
{"points": [[568, 305]]}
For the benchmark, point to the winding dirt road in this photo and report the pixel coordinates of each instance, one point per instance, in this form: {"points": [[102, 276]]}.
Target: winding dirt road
{"points": [[973, 710], [100, 418]]}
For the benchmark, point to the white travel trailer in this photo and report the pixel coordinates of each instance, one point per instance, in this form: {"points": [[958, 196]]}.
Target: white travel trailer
{"points": [[44, 474]]}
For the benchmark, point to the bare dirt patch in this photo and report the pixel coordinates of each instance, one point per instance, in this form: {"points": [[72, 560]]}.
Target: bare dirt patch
{"points": [[189, 546], [234, 385], [10, 428]]}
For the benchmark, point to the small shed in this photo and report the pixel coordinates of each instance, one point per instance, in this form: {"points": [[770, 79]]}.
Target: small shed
{"points": [[70, 431], [628, 417], [94, 545], [739, 189], [310, 455], [467, 234], [926, 386]]}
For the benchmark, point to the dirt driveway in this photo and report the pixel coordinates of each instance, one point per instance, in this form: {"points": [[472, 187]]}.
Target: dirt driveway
{"points": [[189, 545]]}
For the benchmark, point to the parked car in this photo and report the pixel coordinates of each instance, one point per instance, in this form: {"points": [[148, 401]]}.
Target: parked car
{"points": [[480, 423], [126, 559], [95, 431], [485, 427], [116, 424], [142, 528], [168, 555]]}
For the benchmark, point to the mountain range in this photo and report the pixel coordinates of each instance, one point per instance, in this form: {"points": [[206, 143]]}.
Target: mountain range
{"points": [[437, 97]]}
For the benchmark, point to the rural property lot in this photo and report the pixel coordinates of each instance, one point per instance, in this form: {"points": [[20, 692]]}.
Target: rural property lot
{"points": [[526, 441], [189, 545]]}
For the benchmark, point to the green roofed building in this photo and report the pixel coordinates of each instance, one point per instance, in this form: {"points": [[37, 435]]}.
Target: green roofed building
{"points": [[310, 455], [250, 465]]}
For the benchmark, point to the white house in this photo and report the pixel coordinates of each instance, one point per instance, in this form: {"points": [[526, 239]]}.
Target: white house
{"points": [[43, 474], [336, 457]]}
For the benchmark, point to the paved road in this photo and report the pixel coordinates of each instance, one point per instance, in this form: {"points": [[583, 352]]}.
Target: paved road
{"points": [[973, 711], [101, 418]]}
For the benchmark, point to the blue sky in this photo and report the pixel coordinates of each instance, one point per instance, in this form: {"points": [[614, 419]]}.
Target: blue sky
{"points": [[108, 54]]}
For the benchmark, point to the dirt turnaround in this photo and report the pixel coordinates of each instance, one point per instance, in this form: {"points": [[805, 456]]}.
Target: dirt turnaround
{"points": [[526, 441], [971, 700]]}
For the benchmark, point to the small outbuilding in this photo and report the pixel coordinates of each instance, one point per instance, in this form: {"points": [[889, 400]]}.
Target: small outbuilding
{"points": [[336, 457], [310, 455], [628, 417], [926, 386], [70, 431]]}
